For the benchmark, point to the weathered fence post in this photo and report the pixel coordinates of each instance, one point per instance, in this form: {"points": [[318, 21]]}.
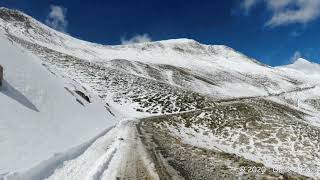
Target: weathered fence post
{"points": [[1, 75]]}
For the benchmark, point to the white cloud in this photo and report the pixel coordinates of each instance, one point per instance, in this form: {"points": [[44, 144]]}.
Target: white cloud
{"points": [[136, 39], [57, 18], [296, 56], [287, 11], [278, 4], [248, 4]]}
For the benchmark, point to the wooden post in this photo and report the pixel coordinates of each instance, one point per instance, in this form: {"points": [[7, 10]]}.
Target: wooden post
{"points": [[1, 75]]}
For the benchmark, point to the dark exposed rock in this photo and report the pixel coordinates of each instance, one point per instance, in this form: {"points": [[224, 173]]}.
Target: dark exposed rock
{"points": [[85, 97], [12, 15]]}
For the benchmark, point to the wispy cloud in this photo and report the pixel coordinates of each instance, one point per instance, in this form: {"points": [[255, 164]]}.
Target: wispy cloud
{"points": [[136, 39], [296, 56], [248, 4], [57, 18], [287, 11]]}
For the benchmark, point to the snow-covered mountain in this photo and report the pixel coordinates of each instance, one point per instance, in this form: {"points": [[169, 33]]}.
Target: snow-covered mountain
{"points": [[204, 96], [305, 66], [231, 73]]}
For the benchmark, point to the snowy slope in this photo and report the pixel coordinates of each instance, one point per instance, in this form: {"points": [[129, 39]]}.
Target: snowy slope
{"points": [[39, 116], [228, 72], [307, 100], [305, 66], [222, 89], [181, 64], [258, 130]]}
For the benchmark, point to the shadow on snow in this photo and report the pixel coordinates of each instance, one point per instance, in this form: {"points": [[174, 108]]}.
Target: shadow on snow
{"points": [[13, 93]]}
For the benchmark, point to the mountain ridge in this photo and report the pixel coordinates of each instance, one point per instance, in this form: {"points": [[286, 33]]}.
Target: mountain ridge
{"points": [[218, 106], [182, 45], [172, 42]]}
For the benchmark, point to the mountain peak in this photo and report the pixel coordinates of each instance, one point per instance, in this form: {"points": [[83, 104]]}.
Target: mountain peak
{"points": [[302, 61], [182, 45], [304, 65], [178, 41], [167, 43], [29, 29]]}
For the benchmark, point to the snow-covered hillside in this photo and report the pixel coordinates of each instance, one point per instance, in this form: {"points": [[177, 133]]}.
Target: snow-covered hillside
{"points": [[41, 114], [305, 66], [61, 93], [232, 73]]}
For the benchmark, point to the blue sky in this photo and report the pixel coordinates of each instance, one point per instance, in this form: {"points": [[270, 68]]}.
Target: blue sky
{"points": [[272, 31]]}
